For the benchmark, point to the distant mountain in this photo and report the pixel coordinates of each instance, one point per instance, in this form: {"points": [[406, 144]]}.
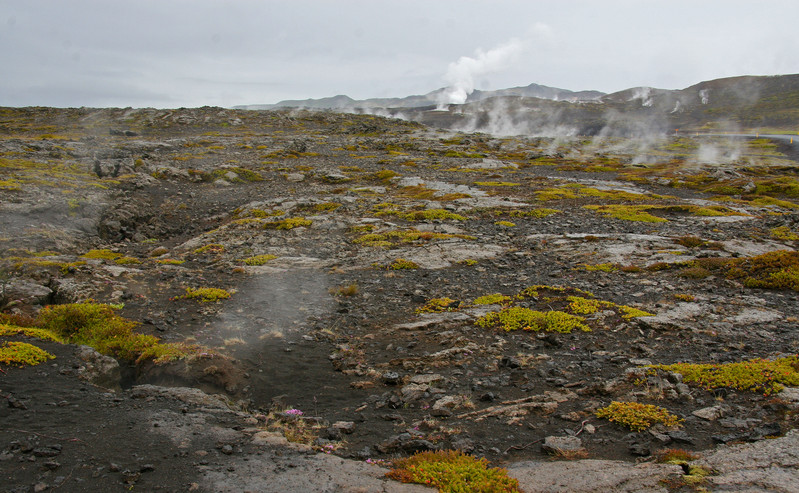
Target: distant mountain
{"points": [[732, 103], [433, 98], [729, 104]]}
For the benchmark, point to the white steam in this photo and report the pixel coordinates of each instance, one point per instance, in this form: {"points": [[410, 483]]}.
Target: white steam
{"points": [[461, 74], [644, 94]]}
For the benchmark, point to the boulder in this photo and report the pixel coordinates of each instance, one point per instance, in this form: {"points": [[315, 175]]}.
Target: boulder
{"points": [[99, 369]]}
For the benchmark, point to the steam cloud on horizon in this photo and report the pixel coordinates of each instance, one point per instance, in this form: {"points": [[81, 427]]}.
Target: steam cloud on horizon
{"points": [[461, 74]]}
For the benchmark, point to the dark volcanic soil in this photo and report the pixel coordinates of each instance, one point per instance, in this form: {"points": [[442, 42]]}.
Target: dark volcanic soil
{"points": [[328, 327]]}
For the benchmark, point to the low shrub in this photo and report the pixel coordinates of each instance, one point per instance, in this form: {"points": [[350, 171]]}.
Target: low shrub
{"points": [[97, 325]]}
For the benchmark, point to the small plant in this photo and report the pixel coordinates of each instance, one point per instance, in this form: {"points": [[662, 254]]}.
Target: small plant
{"points": [[432, 215], [170, 261], [452, 471], [394, 238], [492, 299], [436, 305], [694, 273], [637, 416], [608, 267], [689, 241], [784, 233], [675, 456], [289, 223], [258, 259], [127, 261], [349, 290], [211, 248], [505, 224], [684, 297], [402, 264], [22, 353], [293, 425], [205, 295], [102, 254]]}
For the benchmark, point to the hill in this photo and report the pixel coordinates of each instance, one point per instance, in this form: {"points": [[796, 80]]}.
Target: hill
{"points": [[735, 104]]}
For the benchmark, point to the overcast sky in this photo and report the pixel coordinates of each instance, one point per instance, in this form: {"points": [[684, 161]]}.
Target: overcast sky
{"points": [[172, 53]]}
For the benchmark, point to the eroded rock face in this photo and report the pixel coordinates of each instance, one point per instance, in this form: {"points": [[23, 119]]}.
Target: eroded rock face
{"points": [[99, 369]]}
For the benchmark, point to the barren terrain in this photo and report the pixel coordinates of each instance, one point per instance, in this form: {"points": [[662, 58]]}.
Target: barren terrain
{"points": [[370, 264]]}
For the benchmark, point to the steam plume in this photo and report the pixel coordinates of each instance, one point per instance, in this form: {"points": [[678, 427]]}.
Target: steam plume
{"points": [[460, 74]]}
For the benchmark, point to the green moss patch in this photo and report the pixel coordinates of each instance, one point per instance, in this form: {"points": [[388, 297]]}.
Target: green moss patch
{"points": [[452, 471], [22, 354], [97, 325], [205, 295], [756, 375], [396, 238], [258, 259], [637, 416], [34, 332], [519, 318], [772, 270], [288, 223]]}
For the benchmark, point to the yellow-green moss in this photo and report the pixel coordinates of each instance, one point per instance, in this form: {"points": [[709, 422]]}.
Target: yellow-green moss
{"points": [[452, 471], [97, 325], [519, 318], [627, 212], [36, 333], [327, 206], [104, 254], [784, 233], [22, 354], [432, 215], [205, 295], [582, 306], [505, 224], [259, 259], [211, 248], [127, 261], [492, 299], [757, 375], [637, 416], [170, 261], [289, 223], [435, 305], [401, 264], [496, 184], [404, 237], [551, 194]]}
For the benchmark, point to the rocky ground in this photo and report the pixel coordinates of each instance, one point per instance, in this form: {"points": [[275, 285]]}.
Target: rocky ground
{"points": [[360, 254]]}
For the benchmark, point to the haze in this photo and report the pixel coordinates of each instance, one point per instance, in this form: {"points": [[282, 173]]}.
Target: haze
{"points": [[184, 53]]}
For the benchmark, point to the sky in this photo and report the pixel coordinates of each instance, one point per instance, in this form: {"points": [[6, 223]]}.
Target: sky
{"points": [[189, 53]]}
